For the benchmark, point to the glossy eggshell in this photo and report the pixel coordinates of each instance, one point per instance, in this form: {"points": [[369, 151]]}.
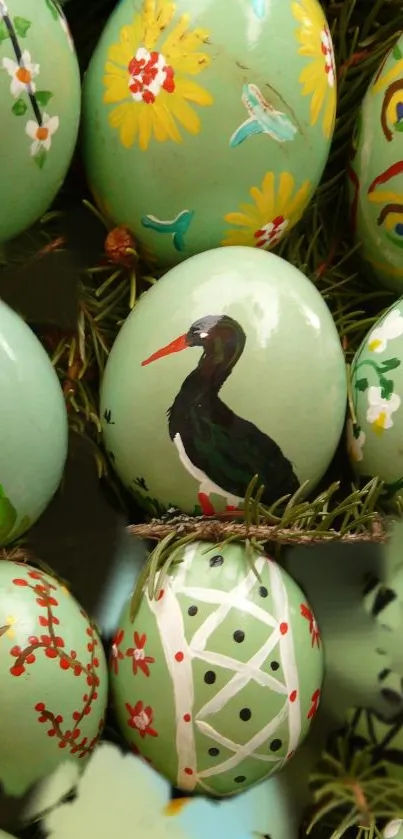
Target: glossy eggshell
{"points": [[53, 678], [207, 124], [375, 174], [375, 438], [33, 427], [40, 102], [217, 680], [289, 381], [394, 829]]}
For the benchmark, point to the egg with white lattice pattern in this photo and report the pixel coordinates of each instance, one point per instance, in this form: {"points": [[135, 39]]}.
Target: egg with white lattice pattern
{"points": [[217, 679]]}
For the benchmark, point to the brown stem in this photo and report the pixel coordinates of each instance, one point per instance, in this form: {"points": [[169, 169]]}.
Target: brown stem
{"points": [[217, 531]]}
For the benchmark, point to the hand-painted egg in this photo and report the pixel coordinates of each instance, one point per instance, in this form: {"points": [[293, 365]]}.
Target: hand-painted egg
{"points": [[53, 678], [40, 100], [375, 431], [261, 389], [120, 794], [376, 173], [33, 427], [208, 124], [217, 680]]}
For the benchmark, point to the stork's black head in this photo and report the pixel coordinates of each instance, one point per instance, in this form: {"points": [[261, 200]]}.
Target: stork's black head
{"points": [[217, 334]]}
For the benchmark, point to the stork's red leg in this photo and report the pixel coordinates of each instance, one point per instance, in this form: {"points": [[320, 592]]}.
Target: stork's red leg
{"points": [[206, 505]]}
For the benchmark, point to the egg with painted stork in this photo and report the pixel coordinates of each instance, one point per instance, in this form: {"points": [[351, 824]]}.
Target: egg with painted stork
{"points": [[230, 367]]}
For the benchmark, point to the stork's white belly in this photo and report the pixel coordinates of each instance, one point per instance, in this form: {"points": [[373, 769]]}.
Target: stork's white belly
{"points": [[206, 486]]}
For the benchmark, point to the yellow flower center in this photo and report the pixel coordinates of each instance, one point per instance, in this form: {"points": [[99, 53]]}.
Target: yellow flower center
{"points": [[327, 50], [374, 345], [379, 424], [149, 74], [272, 232]]}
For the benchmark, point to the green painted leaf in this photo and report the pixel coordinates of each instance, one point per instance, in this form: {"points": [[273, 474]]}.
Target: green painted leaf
{"points": [[390, 364], [3, 31], [20, 107], [53, 9], [361, 385], [399, 126], [42, 97], [21, 25], [386, 387], [397, 53], [40, 158]]}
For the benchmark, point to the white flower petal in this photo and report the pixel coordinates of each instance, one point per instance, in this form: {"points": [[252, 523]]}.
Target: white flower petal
{"points": [[52, 125], [10, 66], [31, 128], [374, 395], [393, 828], [46, 144], [35, 147], [16, 87]]}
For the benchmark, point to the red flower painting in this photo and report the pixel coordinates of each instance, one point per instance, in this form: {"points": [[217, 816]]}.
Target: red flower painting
{"points": [[140, 660], [140, 718], [313, 626], [116, 653]]}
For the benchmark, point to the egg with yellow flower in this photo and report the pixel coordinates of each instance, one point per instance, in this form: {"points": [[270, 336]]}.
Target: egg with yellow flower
{"points": [[375, 428], [209, 124]]}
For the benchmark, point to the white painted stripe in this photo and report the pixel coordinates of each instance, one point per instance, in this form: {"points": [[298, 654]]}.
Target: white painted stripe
{"points": [[237, 595], [168, 615], [210, 595], [244, 751], [287, 655], [233, 747], [241, 679], [251, 672]]}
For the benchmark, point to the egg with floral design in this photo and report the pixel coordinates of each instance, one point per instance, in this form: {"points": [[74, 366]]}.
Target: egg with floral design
{"points": [[375, 428], [218, 678], [40, 102], [375, 174], [53, 678], [208, 124]]}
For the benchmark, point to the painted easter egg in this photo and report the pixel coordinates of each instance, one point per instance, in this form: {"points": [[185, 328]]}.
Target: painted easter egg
{"points": [[120, 793], [53, 678], [33, 427], [261, 389], [204, 126], [40, 101], [219, 676], [376, 173], [374, 434]]}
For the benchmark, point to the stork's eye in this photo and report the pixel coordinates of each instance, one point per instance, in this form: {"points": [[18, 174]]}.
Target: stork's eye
{"points": [[203, 335]]}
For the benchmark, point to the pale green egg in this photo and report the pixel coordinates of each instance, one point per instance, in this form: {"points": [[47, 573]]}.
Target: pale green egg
{"points": [[40, 102], [207, 123], [375, 174], [33, 427]]}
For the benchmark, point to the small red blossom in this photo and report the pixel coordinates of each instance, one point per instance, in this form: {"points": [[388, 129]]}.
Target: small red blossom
{"points": [[19, 582], [313, 626], [315, 699], [140, 718], [35, 575], [50, 652], [17, 670], [46, 601], [116, 653], [15, 651], [140, 660]]}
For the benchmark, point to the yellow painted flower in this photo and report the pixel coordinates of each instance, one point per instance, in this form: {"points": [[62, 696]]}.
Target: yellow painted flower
{"points": [[10, 623], [318, 78], [149, 73], [273, 213]]}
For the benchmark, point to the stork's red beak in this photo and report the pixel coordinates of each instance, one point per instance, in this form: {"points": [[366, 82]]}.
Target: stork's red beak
{"points": [[177, 345]]}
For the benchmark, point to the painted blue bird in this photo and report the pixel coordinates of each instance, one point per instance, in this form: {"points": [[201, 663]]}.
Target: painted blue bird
{"points": [[263, 119]]}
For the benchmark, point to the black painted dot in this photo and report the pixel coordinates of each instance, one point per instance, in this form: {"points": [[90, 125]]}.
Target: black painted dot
{"points": [[192, 611], [216, 560], [263, 591], [274, 665], [240, 779], [245, 714], [239, 636], [214, 752], [275, 745], [209, 677]]}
